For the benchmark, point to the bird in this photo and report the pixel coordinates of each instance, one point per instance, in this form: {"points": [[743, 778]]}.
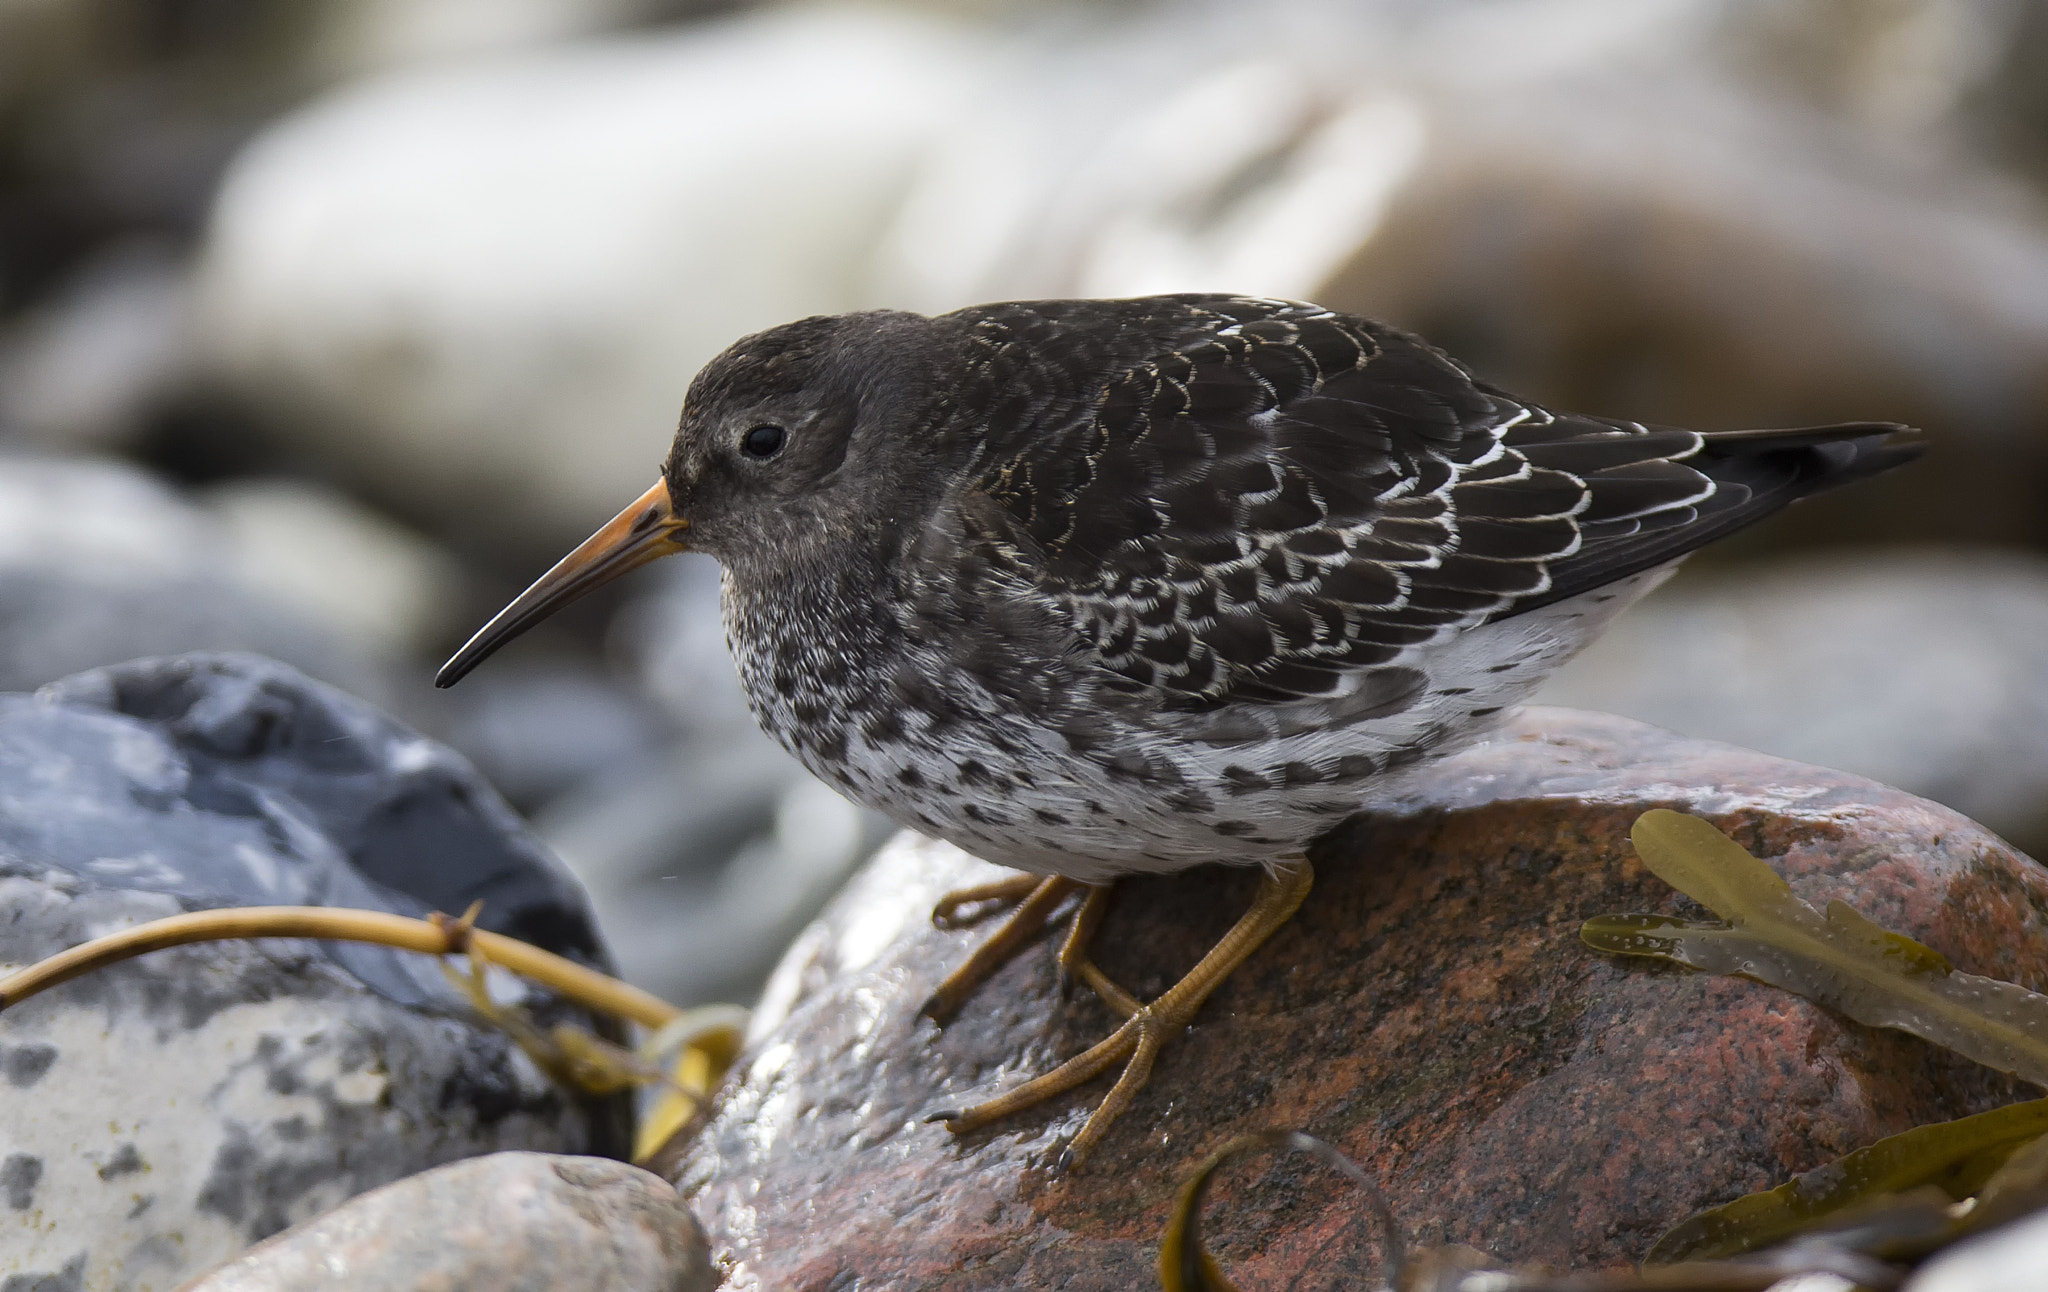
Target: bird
{"points": [[1094, 588]]}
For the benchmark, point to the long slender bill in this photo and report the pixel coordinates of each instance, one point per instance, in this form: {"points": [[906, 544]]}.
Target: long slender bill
{"points": [[643, 532]]}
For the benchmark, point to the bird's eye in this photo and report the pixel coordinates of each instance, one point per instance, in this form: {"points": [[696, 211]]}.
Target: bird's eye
{"points": [[763, 441]]}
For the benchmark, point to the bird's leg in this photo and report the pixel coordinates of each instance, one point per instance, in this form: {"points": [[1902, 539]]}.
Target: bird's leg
{"points": [[991, 897], [1041, 898], [1076, 963], [1149, 1026]]}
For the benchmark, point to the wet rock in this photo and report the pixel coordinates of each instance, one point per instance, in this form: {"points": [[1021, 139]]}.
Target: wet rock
{"points": [[169, 1111], [1430, 1010], [99, 563], [1924, 669], [511, 1221]]}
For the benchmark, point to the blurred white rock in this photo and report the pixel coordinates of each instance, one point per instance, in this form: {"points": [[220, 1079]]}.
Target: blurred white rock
{"points": [[1239, 171], [483, 290], [1217, 147], [352, 37], [1901, 64], [100, 563], [483, 287], [1672, 250], [1702, 213], [1927, 670], [2010, 1258], [80, 372], [314, 549]]}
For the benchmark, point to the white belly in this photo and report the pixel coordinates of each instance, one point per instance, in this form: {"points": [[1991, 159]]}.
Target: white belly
{"points": [[1156, 801]]}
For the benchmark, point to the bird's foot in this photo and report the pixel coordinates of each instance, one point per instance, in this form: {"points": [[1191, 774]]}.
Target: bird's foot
{"points": [[965, 907], [1074, 960], [1040, 898], [1146, 1027]]}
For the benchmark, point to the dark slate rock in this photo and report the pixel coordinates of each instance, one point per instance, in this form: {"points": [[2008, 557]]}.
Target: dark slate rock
{"points": [[165, 1113], [232, 779]]}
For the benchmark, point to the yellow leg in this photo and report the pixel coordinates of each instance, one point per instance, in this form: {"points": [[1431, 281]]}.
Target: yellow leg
{"points": [[1031, 916], [1074, 959], [992, 897], [1148, 1027]]}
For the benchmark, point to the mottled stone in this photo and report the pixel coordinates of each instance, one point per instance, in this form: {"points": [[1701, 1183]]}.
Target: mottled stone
{"points": [[1430, 1010], [162, 1114], [511, 1222]]}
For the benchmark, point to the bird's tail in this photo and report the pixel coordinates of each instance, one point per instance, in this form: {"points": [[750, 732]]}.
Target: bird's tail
{"points": [[1829, 456]]}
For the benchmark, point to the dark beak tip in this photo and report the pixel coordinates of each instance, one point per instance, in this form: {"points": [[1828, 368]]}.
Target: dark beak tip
{"points": [[460, 665]]}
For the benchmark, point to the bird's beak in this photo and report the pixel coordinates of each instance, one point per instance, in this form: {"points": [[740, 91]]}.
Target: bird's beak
{"points": [[642, 532]]}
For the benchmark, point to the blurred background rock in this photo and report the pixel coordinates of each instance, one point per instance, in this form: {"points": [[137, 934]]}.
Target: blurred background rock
{"points": [[324, 326]]}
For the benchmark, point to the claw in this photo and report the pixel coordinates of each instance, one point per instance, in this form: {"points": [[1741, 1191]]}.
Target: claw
{"points": [[1146, 1027], [1031, 915], [993, 897]]}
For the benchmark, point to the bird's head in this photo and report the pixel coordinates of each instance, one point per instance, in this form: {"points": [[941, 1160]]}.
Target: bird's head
{"points": [[795, 440]]}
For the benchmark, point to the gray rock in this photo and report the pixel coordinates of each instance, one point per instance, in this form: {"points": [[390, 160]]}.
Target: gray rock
{"points": [[542, 728], [171, 1110], [1924, 669], [100, 563], [519, 1222]]}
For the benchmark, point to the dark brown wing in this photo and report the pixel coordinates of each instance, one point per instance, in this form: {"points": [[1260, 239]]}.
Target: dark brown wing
{"points": [[1275, 497]]}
